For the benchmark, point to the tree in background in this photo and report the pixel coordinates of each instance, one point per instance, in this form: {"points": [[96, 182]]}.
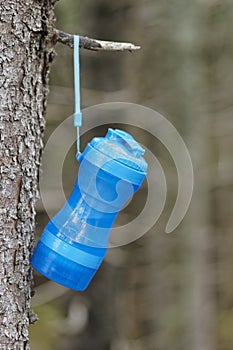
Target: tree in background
{"points": [[176, 291], [25, 59]]}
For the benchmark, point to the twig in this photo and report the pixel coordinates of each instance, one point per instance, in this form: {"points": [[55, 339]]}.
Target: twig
{"points": [[93, 44]]}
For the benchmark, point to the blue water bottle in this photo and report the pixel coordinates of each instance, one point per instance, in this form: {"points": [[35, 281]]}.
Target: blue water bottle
{"points": [[74, 242]]}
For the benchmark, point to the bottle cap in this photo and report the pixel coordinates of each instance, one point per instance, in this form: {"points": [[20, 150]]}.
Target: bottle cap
{"points": [[117, 153]]}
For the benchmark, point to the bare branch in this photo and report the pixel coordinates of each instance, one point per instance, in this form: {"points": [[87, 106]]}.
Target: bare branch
{"points": [[93, 44]]}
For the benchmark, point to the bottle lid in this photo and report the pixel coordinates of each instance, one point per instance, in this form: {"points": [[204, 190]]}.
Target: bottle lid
{"points": [[117, 153]]}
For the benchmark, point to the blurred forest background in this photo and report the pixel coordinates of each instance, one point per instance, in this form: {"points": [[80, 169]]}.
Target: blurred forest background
{"points": [[162, 291]]}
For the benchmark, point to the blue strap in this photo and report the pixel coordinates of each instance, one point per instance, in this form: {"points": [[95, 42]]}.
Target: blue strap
{"points": [[77, 108]]}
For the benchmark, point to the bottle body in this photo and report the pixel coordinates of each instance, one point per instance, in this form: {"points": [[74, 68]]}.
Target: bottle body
{"points": [[74, 242]]}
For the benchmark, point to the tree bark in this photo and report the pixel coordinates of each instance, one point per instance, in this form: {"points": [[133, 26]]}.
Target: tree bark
{"points": [[24, 66]]}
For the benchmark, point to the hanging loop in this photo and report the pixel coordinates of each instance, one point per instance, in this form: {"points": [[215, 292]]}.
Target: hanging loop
{"points": [[77, 108]]}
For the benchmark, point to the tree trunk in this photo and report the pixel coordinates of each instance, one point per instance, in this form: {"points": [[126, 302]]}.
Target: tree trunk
{"points": [[24, 65]]}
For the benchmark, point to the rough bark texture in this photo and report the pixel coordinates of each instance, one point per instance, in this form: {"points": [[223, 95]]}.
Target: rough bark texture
{"points": [[24, 64]]}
